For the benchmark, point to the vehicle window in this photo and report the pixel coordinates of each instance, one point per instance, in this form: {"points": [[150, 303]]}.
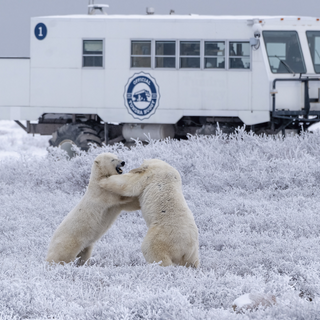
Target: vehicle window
{"points": [[314, 46], [284, 52], [189, 54], [214, 55], [239, 55], [141, 54], [165, 54], [92, 54]]}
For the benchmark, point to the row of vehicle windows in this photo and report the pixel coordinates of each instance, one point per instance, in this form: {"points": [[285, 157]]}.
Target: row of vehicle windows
{"points": [[190, 54], [176, 54], [283, 49]]}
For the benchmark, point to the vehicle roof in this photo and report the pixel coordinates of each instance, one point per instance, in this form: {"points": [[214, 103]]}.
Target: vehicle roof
{"points": [[183, 17]]}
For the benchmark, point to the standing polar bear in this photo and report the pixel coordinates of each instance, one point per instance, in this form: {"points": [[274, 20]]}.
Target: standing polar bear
{"points": [[172, 235], [92, 217]]}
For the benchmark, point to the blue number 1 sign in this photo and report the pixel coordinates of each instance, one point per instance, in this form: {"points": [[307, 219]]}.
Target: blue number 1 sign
{"points": [[40, 31]]}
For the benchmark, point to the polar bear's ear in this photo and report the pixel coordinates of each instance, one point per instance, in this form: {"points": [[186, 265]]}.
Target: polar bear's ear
{"points": [[139, 170], [97, 161]]}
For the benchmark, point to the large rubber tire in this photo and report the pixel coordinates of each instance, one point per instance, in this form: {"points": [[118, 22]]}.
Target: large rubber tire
{"points": [[78, 134]]}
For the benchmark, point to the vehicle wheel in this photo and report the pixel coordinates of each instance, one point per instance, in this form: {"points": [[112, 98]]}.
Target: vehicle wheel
{"points": [[96, 127], [78, 134]]}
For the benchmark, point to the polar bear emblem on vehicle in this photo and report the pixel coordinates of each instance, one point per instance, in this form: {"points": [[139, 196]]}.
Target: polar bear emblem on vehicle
{"points": [[141, 96]]}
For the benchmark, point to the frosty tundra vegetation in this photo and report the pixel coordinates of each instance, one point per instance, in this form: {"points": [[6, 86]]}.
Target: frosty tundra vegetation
{"points": [[256, 204]]}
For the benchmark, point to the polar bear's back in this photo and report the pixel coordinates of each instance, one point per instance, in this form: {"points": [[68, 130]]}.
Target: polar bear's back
{"points": [[172, 229], [163, 196]]}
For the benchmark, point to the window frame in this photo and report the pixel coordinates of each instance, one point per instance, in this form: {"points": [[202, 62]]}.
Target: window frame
{"points": [[161, 56], [199, 56], [93, 55], [302, 55], [152, 42], [314, 69], [239, 57], [203, 56]]}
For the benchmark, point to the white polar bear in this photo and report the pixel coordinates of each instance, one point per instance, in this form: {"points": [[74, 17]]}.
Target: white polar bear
{"points": [[172, 235], [92, 217]]}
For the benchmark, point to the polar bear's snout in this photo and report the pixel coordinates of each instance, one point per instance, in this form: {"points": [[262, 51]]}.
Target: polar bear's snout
{"points": [[119, 170]]}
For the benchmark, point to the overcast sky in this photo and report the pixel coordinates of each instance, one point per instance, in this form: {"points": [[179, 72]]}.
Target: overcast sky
{"points": [[15, 14]]}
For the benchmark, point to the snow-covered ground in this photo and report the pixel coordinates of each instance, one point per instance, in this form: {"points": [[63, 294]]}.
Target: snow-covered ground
{"points": [[15, 142], [255, 202], [315, 127]]}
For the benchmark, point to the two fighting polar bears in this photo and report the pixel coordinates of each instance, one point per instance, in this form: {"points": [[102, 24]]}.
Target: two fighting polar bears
{"points": [[172, 236]]}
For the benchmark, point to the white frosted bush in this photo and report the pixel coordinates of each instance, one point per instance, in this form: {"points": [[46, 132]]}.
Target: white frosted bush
{"points": [[256, 204]]}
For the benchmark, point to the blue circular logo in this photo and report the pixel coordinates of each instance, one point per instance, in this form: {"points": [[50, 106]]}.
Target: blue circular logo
{"points": [[141, 96], [40, 31]]}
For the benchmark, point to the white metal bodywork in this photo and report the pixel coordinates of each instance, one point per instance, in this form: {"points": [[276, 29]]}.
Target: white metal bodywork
{"points": [[54, 81]]}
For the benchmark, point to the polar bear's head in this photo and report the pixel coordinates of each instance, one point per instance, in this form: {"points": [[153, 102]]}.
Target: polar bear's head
{"points": [[106, 165]]}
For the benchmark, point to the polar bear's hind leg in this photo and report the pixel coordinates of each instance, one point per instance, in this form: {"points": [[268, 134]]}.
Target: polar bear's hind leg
{"points": [[154, 250], [165, 259], [85, 255], [194, 262], [191, 260]]}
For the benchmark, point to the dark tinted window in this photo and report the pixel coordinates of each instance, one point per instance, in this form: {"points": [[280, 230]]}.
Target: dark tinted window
{"points": [[141, 47], [214, 55], [141, 54], [284, 51], [165, 48], [314, 46], [92, 53], [239, 55], [165, 54], [190, 54]]}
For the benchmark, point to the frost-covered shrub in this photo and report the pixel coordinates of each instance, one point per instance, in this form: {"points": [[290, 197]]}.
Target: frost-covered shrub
{"points": [[256, 204]]}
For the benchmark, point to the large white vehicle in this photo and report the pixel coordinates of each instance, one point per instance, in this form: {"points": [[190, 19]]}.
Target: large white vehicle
{"points": [[106, 78]]}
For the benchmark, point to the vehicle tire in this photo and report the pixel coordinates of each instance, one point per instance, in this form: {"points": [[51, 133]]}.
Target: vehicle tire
{"points": [[96, 127], [78, 134]]}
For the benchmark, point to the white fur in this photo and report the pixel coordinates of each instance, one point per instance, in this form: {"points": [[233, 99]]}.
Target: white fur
{"points": [[251, 301], [172, 233], [91, 218]]}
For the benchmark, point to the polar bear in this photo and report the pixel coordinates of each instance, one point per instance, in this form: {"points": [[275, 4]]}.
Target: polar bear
{"points": [[172, 236], [92, 217]]}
